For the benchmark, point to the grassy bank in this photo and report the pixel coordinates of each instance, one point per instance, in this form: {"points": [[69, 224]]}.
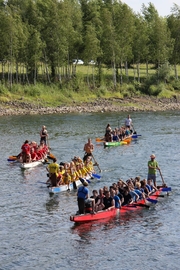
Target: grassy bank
{"points": [[84, 88]]}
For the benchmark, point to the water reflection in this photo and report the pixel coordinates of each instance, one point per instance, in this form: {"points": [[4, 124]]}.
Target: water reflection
{"points": [[52, 204]]}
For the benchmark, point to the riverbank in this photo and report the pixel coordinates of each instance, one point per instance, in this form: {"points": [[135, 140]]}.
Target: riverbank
{"points": [[99, 105]]}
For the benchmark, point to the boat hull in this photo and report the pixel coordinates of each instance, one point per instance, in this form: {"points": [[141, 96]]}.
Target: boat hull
{"points": [[31, 164], [110, 212], [71, 186], [124, 142]]}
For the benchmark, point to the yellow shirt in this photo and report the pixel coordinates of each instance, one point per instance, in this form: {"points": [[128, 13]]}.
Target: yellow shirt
{"points": [[53, 168]]}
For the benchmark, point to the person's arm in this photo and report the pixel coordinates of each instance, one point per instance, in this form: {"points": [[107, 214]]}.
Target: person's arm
{"points": [[113, 202]]}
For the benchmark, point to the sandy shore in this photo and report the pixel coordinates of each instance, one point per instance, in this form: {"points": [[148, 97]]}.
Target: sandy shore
{"points": [[99, 105]]}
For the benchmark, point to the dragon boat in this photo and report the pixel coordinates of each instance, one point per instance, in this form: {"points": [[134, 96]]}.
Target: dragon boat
{"points": [[113, 212]]}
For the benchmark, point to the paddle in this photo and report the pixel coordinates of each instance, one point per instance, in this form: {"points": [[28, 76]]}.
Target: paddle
{"points": [[96, 163], [96, 175], [134, 131], [142, 205], [43, 183], [158, 195], [151, 200], [51, 156], [162, 177], [166, 189], [100, 139], [48, 143]]}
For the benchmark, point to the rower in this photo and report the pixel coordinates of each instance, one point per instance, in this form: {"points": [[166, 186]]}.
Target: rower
{"points": [[25, 152]]}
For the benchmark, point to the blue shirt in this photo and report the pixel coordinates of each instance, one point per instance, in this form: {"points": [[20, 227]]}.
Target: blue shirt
{"points": [[116, 199], [82, 192], [138, 193]]}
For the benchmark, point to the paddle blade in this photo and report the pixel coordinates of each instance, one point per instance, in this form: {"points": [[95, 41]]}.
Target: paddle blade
{"points": [[166, 189], [99, 139], [142, 205], [151, 200], [10, 159], [96, 175], [51, 156]]}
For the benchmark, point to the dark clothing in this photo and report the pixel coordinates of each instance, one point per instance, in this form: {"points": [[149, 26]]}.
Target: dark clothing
{"points": [[86, 155], [120, 196], [43, 138], [82, 195], [81, 205], [107, 202], [53, 179], [127, 199], [96, 199]]}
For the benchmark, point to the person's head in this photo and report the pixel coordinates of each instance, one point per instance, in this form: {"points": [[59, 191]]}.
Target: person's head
{"points": [[107, 194], [149, 182], [137, 179], [89, 140], [26, 141], [128, 116], [43, 127], [114, 185], [152, 157], [105, 188], [54, 160], [120, 183], [138, 185], [101, 191], [85, 183], [112, 192], [111, 188], [95, 193], [126, 190]]}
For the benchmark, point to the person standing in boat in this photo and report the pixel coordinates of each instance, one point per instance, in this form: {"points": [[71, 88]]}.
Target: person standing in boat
{"points": [[152, 167], [83, 197], [53, 169], [128, 121], [88, 148], [43, 135]]}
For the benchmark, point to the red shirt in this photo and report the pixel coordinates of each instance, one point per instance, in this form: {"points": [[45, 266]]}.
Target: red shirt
{"points": [[26, 148]]}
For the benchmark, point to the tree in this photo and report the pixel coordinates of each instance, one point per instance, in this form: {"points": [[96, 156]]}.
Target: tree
{"points": [[174, 25]]}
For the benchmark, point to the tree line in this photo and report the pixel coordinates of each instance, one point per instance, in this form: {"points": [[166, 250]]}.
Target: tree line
{"points": [[39, 39]]}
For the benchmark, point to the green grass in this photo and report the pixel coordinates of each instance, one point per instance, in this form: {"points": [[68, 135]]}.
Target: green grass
{"points": [[77, 89]]}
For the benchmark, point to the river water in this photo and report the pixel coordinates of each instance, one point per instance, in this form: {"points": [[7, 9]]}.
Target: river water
{"points": [[36, 232]]}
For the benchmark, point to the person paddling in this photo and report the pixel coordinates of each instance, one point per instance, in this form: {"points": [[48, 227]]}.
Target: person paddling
{"points": [[152, 167]]}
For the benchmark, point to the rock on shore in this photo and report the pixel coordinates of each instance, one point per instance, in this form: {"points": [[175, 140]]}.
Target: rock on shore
{"points": [[99, 105]]}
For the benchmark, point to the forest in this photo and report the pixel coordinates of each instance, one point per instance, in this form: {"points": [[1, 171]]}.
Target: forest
{"points": [[120, 49]]}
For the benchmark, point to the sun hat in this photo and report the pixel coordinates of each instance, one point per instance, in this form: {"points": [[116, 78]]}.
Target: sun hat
{"points": [[152, 156]]}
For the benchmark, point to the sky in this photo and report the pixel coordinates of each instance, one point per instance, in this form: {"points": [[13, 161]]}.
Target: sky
{"points": [[162, 6]]}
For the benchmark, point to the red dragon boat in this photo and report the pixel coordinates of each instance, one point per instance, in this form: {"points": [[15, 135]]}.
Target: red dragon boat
{"points": [[112, 211]]}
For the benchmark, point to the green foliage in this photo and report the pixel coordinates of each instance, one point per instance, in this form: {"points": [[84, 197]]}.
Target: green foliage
{"points": [[154, 90], [176, 84], [163, 72]]}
